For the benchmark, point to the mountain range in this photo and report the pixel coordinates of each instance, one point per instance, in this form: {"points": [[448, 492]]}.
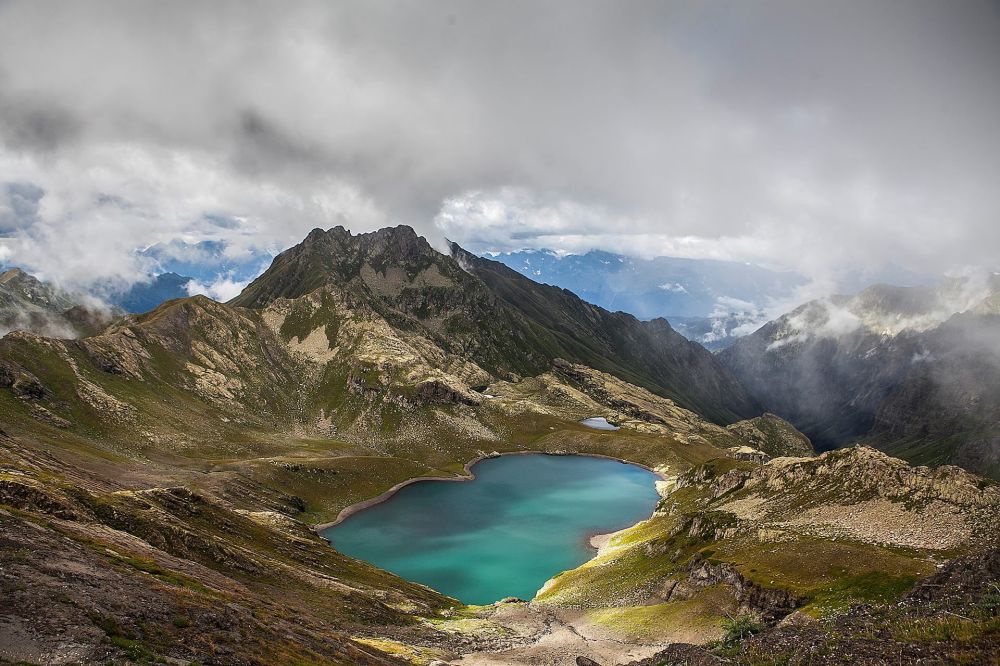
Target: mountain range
{"points": [[161, 477], [709, 301]]}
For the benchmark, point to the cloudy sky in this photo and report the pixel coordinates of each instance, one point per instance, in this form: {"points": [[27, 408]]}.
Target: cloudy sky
{"points": [[833, 138]]}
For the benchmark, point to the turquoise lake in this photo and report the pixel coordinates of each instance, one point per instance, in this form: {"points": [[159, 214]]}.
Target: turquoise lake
{"points": [[522, 520]]}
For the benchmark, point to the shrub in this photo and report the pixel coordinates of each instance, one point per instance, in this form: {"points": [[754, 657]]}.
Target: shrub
{"points": [[740, 627]]}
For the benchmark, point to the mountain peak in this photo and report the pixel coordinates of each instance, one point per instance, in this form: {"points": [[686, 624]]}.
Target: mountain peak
{"points": [[336, 256], [14, 274], [485, 312]]}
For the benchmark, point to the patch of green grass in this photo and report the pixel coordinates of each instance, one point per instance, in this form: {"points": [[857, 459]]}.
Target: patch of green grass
{"points": [[699, 619], [830, 575], [873, 587], [133, 649], [950, 628], [988, 605], [411, 653]]}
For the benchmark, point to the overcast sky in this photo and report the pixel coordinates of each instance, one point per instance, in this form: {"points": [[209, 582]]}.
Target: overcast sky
{"points": [[828, 137]]}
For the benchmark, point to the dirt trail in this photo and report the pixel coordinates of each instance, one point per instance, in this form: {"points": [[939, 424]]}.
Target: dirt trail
{"points": [[549, 636]]}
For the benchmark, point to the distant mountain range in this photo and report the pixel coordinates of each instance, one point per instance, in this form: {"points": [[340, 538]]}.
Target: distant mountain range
{"points": [[708, 301], [179, 269], [205, 261]]}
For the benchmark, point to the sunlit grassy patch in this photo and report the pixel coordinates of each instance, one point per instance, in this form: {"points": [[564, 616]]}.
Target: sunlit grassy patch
{"points": [[412, 653], [698, 619]]}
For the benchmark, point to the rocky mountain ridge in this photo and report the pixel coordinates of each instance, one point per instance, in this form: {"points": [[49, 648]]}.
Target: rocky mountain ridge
{"points": [[494, 317], [915, 371]]}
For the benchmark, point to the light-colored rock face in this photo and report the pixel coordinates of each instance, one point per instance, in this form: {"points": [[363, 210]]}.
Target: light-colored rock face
{"points": [[410, 362], [936, 526], [864, 495], [394, 279]]}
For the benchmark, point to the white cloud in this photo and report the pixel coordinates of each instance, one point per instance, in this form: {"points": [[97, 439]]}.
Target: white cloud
{"points": [[84, 234], [827, 138], [221, 290]]}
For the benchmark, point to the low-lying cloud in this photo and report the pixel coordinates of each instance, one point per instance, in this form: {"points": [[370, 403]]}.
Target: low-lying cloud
{"points": [[223, 289]]}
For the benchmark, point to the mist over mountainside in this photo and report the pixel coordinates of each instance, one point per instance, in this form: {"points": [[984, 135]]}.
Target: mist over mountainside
{"points": [[711, 302], [177, 269], [170, 270], [27, 303], [915, 370], [273, 263], [206, 260]]}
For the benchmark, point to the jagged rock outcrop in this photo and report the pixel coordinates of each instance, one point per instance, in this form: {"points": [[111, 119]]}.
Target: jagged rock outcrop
{"points": [[947, 618], [864, 494], [769, 604]]}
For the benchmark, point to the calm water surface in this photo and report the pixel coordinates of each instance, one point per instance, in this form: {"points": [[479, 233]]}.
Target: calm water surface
{"points": [[524, 519], [599, 423]]}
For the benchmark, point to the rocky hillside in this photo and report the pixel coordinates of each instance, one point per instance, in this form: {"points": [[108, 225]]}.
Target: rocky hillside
{"points": [[915, 371], [952, 617], [28, 304], [773, 436], [102, 566]]}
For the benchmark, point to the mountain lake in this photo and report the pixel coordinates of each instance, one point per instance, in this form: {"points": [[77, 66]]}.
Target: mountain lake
{"points": [[524, 519]]}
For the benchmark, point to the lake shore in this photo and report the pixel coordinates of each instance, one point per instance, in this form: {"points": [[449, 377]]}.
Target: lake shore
{"points": [[468, 475], [599, 541]]}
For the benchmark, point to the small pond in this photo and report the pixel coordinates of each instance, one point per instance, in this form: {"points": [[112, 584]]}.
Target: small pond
{"points": [[599, 423]]}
